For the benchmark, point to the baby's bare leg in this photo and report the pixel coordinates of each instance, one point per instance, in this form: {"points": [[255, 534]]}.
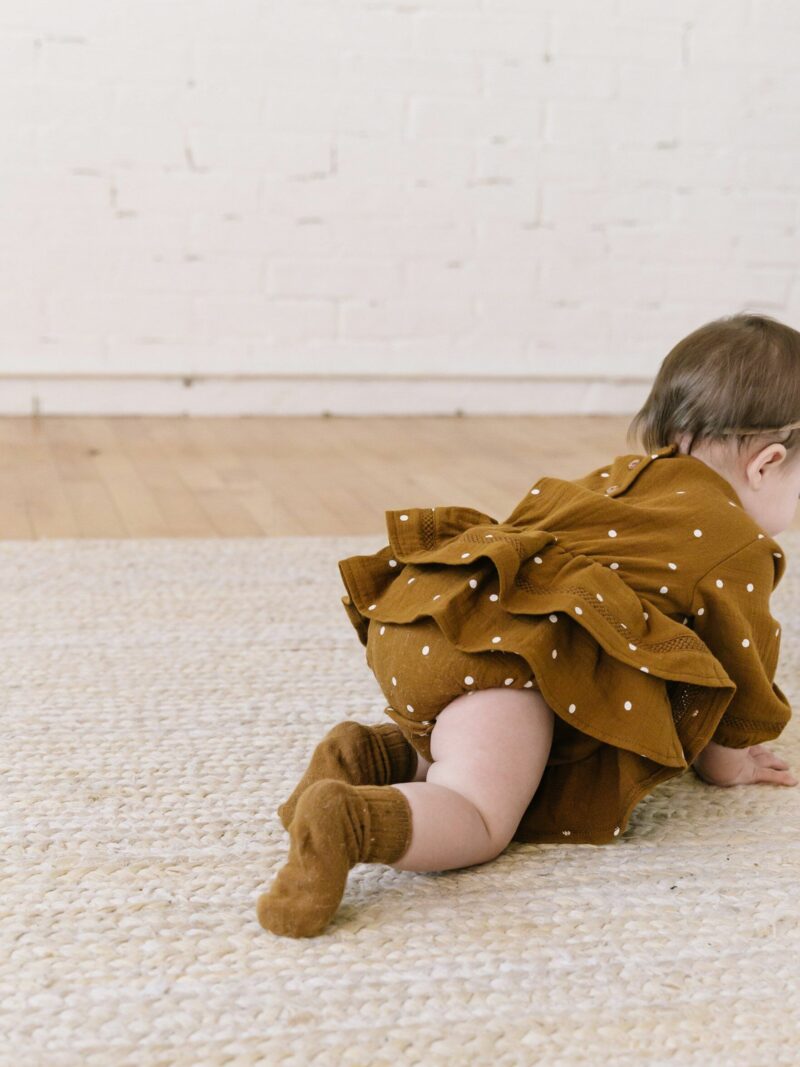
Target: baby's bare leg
{"points": [[489, 752]]}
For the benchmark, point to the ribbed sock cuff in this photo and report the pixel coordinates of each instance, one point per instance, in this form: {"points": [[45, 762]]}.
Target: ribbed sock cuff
{"points": [[402, 754], [389, 832]]}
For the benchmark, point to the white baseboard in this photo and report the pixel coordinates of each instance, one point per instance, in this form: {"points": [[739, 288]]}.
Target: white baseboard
{"points": [[334, 395]]}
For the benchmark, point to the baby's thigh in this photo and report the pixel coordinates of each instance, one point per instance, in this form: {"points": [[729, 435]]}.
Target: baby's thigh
{"points": [[491, 746]]}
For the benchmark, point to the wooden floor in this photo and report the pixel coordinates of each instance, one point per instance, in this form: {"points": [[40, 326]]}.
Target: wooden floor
{"points": [[277, 476]]}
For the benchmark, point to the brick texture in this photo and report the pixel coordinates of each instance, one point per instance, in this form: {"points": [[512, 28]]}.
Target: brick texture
{"points": [[501, 187]]}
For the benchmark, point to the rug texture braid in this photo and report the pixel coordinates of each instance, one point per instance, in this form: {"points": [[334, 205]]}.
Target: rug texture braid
{"points": [[160, 698]]}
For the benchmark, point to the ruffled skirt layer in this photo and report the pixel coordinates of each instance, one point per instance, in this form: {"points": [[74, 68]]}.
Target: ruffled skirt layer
{"points": [[636, 694]]}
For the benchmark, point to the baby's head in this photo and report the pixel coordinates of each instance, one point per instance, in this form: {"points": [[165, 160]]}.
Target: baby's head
{"points": [[729, 395]]}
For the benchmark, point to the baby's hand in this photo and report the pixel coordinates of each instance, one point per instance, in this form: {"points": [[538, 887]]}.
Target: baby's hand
{"points": [[723, 766]]}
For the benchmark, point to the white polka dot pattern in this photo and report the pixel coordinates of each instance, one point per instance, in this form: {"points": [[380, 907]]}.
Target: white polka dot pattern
{"points": [[734, 578]]}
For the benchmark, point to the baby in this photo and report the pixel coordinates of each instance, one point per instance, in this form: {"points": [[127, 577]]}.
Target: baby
{"points": [[545, 673]]}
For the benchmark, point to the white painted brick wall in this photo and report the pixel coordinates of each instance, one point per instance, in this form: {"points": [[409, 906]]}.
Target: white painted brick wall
{"points": [[345, 190]]}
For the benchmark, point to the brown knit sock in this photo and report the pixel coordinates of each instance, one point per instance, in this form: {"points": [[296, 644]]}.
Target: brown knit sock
{"points": [[359, 754], [335, 826]]}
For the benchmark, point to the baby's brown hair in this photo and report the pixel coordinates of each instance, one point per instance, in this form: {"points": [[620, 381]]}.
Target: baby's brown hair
{"points": [[736, 378]]}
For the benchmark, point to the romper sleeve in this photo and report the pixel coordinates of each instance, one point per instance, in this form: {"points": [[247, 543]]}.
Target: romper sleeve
{"points": [[732, 617]]}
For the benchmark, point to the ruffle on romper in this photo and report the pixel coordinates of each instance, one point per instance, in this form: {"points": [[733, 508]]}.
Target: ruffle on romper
{"points": [[625, 674]]}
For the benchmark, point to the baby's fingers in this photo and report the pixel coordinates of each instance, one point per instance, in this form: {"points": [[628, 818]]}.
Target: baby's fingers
{"points": [[773, 774], [766, 757]]}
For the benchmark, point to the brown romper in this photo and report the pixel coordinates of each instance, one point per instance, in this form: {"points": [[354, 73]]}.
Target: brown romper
{"points": [[635, 598]]}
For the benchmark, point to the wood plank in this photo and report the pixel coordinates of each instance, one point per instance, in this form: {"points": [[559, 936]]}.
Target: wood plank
{"points": [[211, 439], [156, 449], [132, 476], [288, 461], [15, 520], [92, 503], [138, 509], [48, 506], [266, 493]]}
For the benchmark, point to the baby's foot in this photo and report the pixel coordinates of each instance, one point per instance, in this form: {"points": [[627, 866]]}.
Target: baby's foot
{"points": [[358, 754], [335, 826]]}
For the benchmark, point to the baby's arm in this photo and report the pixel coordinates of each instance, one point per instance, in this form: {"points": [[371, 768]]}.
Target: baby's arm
{"points": [[719, 765]]}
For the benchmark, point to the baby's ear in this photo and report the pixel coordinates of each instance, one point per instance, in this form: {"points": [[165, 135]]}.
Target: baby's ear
{"points": [[771, 457]]}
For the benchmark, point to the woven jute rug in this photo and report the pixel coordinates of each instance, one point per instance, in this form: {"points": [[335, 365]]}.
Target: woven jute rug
{"points": [[161, 697]]}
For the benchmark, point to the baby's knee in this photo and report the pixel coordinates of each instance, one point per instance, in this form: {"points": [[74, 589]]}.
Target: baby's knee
{"points": [[499, 819]]}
